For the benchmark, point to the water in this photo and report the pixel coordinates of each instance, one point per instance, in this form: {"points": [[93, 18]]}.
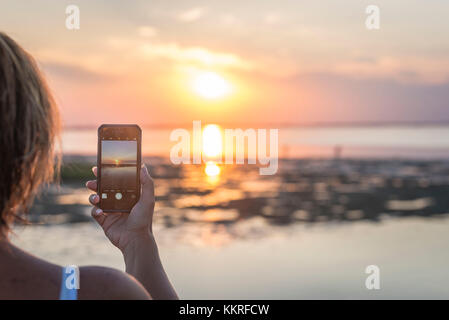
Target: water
{"points": [[307, 232], [367, 142], [324, 261]]}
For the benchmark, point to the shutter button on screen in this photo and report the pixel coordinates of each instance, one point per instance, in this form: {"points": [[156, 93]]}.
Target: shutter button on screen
{"points": [[118, 196]]}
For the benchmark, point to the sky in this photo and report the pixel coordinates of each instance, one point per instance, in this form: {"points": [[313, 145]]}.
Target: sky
{"points": [[119, 152], [278, 62]]}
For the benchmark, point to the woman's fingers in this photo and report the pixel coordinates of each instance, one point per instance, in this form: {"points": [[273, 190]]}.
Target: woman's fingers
{"points": [[98, 215], [94, 199], [96, 212], [92, 185]]}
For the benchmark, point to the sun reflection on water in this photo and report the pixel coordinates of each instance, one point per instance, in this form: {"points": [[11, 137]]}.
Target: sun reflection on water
{"points": [[212, 151], [212, 169], [212, 142]]}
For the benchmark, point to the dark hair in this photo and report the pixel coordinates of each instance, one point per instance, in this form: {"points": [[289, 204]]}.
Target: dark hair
{"points": [[29, 125]]}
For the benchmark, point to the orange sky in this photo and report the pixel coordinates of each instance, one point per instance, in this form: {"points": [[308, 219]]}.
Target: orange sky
{"points": [[284, 61]]}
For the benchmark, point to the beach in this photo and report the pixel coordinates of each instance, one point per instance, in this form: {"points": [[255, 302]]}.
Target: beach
{"points": [[307, 232], [299, 149]]}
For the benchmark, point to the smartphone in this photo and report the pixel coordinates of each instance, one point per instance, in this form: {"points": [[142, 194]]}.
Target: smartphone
{"points": [[118, 166]]}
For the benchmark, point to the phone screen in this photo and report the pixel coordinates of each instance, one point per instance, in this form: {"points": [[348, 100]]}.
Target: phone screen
{"points": [[119, 168]]}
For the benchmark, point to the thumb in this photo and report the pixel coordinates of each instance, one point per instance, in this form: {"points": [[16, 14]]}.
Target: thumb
{"points": [[147, 196]]}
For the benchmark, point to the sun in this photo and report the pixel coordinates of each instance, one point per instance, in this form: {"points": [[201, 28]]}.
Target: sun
{"points": [[211, 85]]}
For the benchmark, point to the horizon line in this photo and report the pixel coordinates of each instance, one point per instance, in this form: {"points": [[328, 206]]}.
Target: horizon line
{"points": [[322, 124]]}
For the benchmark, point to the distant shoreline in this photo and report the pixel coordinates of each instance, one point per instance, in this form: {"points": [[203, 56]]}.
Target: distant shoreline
{"points": [[159, 126]]}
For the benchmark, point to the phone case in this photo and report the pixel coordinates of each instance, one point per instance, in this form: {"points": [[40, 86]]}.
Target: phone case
{"points": [[139, 163]]}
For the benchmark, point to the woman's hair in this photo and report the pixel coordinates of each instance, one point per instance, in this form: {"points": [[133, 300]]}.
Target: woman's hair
{"points": [[29, 126]]}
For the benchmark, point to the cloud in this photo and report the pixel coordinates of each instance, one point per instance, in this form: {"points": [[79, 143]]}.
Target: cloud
{"points": [[191, 14], [135, 51], [147, 31], [72, 72], [272, 18], [228, 19], [197, 55], [337, 97], [406, 69]]}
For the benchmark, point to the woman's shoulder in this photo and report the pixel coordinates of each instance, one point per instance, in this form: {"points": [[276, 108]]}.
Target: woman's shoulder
{"points": [[25, 276], [98, 282]]}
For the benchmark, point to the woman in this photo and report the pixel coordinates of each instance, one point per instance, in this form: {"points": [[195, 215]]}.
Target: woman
{"points": [[29, 127]]}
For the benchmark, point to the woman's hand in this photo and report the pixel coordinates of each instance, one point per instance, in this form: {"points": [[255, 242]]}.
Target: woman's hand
{"points": [[122, 229], [132, 234]]}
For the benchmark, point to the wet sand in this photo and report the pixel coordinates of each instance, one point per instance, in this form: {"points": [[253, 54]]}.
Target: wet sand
{"points": [[303, 191], [307, 232]]}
